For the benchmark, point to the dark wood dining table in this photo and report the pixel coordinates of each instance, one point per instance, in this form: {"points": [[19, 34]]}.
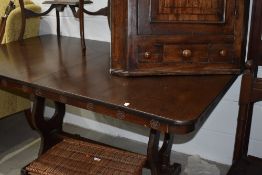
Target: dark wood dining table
{"points": [[47, 68]]}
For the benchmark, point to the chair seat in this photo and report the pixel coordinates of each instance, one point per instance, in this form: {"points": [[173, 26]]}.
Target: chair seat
{"points": [[77, 157]]}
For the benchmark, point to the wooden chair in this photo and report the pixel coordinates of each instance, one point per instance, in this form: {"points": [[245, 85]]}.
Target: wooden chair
{"points": [[251, 92]]}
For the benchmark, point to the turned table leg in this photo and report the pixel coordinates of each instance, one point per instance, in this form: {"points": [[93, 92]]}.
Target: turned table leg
{"points": [[159, 159], [23, 19], [58, 24], [81, 22], [47, 127]]}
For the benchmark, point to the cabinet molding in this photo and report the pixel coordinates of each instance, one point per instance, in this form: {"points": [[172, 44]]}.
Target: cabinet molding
{"points": [[165, 37]]}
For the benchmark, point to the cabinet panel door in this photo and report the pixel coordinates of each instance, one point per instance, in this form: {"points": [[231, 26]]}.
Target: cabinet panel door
{"points": [[186, 17]]}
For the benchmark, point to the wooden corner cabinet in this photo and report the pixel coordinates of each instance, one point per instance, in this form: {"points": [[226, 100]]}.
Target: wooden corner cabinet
{"points": [[158, 37]]}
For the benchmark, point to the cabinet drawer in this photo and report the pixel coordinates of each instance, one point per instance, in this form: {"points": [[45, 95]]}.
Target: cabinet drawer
{"points": [[222, 53], [185, 53], [151, 53], [173, 53]]}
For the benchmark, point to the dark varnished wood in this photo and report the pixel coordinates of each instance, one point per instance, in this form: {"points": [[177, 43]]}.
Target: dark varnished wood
{"points": [[81, 25], [2, 28], [150, 37], [159, 159], [251, 92], [175, 104], [48, 128], [247, 166], [54, 69], [255, 46], [251, 85], [245, 115], [23, 19]]}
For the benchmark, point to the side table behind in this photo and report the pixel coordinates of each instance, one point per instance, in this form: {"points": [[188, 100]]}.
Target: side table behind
{"points": [[59, 6]]}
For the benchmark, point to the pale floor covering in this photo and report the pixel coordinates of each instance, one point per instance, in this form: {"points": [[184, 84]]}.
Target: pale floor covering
{"points": [[19, 145]]}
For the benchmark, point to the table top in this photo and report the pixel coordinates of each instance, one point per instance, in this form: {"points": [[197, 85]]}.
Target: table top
{"points": [[44, 64]]}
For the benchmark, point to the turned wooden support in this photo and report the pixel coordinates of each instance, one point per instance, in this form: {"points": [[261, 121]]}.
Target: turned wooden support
{"points": [[245, 113], [81, 23], [23, 19], [47, 127], [158, 160], [244, 121], [25, 13], [152, 151]]}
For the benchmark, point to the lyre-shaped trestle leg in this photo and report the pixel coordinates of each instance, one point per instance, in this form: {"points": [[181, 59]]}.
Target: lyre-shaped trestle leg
{"points": [[152, 151], [47, 128], [164, 156], [159, 160]]}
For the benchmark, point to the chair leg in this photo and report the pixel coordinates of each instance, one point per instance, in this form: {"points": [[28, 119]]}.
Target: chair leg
{"points": [[244, 117]]}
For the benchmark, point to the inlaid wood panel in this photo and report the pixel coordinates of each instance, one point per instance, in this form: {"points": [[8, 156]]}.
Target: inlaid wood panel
{"points": [[180, 17], [189, 10]]}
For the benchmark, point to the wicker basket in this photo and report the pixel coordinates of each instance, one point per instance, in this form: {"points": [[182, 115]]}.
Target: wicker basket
{"points": [[75, 157]]}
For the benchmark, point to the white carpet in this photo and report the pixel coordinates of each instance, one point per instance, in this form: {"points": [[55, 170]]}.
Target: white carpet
{"points": [[11, 163]]}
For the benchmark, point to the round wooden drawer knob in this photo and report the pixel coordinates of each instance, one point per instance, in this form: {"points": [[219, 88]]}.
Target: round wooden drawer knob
{"points": [[187, 53], [147, 55], [223, 53]]}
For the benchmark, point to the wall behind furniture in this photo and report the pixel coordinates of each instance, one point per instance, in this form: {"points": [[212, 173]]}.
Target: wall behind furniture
{"points": [[214, 141]]}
